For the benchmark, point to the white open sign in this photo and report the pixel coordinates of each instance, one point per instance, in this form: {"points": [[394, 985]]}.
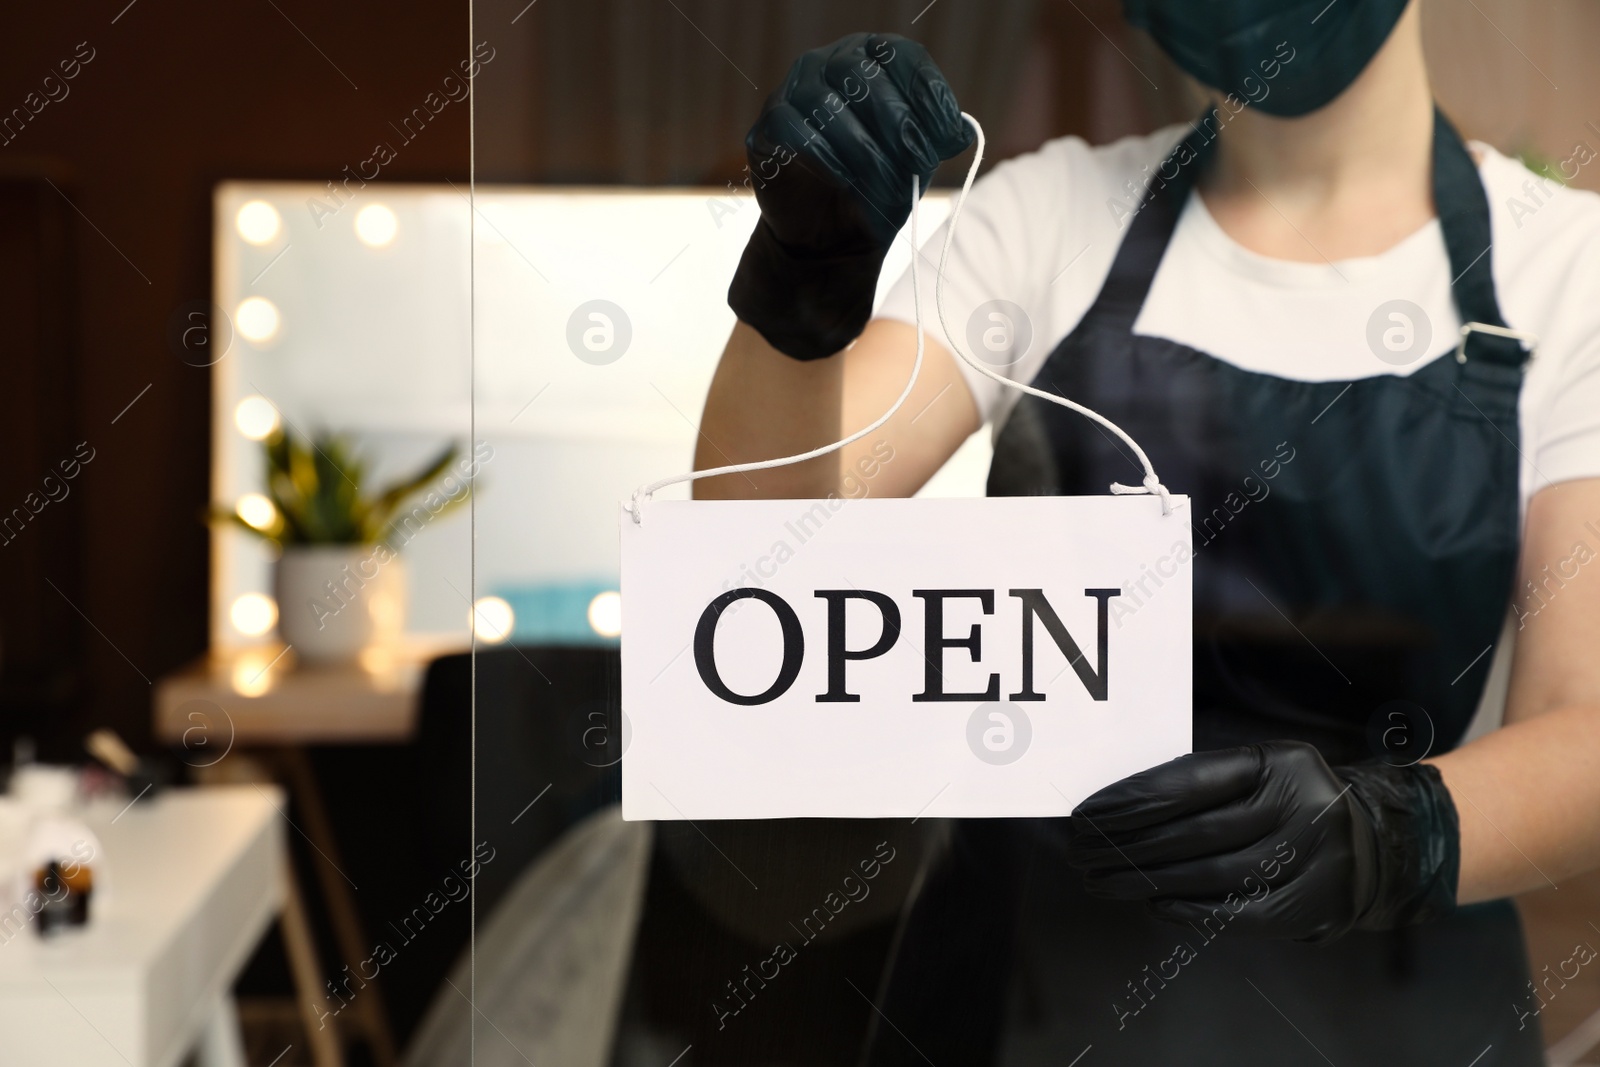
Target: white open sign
{"points": [[897, 658]]}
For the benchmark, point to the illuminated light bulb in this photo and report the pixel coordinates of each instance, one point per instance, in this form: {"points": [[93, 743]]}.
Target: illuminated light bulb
{"points": [[255, 671], [376, 659], [249, 680], [257, 319], [253, 614], [491, 619], [376, 225], [256, 418], [605, 614], [257, 510], [258, 222]]}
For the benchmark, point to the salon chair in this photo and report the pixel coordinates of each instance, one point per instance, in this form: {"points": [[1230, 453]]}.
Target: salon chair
{"points": [[546, 748]]}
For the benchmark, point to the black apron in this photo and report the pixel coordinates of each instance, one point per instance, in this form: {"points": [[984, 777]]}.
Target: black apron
{"points": [[1355, 551]]}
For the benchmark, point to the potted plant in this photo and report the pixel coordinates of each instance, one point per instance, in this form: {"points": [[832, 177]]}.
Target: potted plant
{"points": [[338, 579]]}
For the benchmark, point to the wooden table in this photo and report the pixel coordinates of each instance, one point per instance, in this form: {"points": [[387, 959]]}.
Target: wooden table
{"points": [[259, 699], [260, 696], [195, 877]]}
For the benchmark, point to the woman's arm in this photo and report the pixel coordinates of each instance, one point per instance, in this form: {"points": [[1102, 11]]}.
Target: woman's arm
{"points": [[763, 405], [837, 158], [1528, 794]]}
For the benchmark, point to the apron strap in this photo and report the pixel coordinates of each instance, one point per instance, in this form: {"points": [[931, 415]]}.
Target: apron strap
{"points": [[1123, 293], [1463, 208]]}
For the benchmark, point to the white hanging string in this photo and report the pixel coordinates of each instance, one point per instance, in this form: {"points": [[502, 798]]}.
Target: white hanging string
{"points": [[1151, 484]]}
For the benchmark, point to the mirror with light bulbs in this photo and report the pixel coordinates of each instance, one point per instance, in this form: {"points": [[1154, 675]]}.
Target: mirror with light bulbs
{"points": [[343, 316]]}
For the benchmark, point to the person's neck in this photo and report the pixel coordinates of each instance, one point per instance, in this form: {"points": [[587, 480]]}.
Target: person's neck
{"points": [[1350, 179]]}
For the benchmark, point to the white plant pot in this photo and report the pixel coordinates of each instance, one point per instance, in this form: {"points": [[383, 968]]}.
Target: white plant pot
{"points": [[336, 600]]}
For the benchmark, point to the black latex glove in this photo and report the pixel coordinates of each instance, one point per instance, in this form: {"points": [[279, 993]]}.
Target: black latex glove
{"points": [[831, 160], [1270, 841]]}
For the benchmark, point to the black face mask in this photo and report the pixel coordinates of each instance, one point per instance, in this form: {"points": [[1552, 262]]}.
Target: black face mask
{"points": [[1284, 58]]}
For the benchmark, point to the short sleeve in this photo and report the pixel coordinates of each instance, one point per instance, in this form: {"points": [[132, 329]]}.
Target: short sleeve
{"points": [[1567, 443], [1547, 269]]}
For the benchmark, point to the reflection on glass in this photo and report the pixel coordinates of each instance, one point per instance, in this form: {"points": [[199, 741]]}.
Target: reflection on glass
{"points": [[253, 614], [258, 222], [605, 614], [257, 319], [492, 619], [376, 225], [257, 510], [255, 671], [256, 418]]}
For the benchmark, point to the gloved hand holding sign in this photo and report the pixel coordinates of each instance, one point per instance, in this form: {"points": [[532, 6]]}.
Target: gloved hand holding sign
{"points": [[831, 160], [1270, 840]]}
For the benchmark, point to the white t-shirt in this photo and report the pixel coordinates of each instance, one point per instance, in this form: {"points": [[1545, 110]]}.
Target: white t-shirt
{"points": [[1041, 230]]}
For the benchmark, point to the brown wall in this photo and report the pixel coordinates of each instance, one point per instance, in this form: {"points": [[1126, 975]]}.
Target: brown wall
{"points": [[177, 96], [1521, 75]]}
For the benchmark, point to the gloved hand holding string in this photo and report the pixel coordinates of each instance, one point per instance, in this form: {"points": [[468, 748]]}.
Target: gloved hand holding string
{"points": [[831, 161]]}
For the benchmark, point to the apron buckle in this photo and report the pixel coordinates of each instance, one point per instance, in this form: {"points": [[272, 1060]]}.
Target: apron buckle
{"points": [[1529, 341]]}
